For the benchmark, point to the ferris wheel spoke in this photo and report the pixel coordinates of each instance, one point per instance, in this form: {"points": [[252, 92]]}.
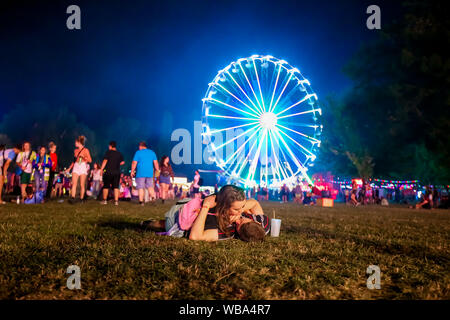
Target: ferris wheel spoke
{"points": [[243, 164], [255, 160], [225, 89], [313, 140], [236, 137], [292, 155], [282, 91], [275, 88], [305, 151], [293, 90], [287, 165], [227, 117], [307, 97], [251, 87], [241, 147], [278, 166], [267, 159], [235, 127], [300, 113], [243, 91], [254, 116], [259, 85]]}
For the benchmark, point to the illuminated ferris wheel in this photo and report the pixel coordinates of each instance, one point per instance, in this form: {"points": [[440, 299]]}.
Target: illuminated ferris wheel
{"points": [[261, 122]]}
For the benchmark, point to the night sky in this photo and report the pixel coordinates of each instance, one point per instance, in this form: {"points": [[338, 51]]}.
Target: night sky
{"points": [[150, 60], [137, 57]]}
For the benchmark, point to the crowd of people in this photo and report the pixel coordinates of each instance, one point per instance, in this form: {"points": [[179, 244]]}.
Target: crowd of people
{"points": [[36, 176], [429, 197], [29, 176], [226, 214], [231, 212]]}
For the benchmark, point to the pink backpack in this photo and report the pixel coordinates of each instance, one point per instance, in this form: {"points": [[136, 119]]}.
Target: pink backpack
{"points": [[189, 213]]}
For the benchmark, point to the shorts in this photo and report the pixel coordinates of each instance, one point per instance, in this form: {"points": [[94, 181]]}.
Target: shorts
{"points": [[111, 181], [80, 168], [25, 178], [196, 190], [171, 218], [163, 179], [143, 183]]}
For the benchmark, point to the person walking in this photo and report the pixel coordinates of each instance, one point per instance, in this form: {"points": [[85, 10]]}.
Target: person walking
{"points": [[143, 166], [196, 184], [96, 176], [41, 166], [53, 169], [25, 162], [6, 157], [166, 177], [112, 161]]}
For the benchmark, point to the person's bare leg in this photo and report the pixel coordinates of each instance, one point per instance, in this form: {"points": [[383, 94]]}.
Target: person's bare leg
{"points": [[105, 194], [141, 195], [74, 184], [24, 193], [151, 193], [165, 191], [1, 187], [116, 195], [82, 185]]}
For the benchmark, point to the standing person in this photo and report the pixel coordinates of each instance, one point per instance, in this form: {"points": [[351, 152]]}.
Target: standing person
{"points": [[25, 161], [6, 157], [112, 161], [59, 180], [165, 177], [142, 167], [298, 194], [53, 169], [346, 194], [96, 176], [80, 165], [42, 165], [284, 193], [196, 184]]}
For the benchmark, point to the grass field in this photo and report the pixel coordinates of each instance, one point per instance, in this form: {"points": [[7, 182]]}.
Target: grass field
{"points": [[322, 253]]}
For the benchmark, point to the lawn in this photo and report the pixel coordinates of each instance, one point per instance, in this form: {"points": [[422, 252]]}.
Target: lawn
{"points": [[322, 253]]}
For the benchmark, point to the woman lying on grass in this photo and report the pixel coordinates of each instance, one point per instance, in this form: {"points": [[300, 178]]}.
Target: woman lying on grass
{"points": [[224, 215]]}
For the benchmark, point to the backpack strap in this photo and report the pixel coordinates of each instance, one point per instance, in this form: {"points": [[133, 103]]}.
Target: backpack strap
{"points": [[79, 152], [3, 162]]}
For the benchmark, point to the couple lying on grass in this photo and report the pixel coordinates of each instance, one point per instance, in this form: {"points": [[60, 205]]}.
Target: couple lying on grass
{"points": [[224, 215]]}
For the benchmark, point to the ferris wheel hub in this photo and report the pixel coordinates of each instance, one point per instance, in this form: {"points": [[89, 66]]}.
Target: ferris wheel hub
{"points": [[268, 120]]}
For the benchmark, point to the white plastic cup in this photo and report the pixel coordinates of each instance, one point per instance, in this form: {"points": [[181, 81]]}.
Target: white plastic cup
{"points": [[275, 225]]}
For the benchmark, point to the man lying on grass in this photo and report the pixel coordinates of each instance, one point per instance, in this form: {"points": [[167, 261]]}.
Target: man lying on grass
{"points": [[221, 216]]}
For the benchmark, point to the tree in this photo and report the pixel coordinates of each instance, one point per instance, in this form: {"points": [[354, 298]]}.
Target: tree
{"points": [[39, 123], [398, 109]]}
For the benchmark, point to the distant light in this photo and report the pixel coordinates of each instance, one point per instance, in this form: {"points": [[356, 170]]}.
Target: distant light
{"points": [[268, 120]]}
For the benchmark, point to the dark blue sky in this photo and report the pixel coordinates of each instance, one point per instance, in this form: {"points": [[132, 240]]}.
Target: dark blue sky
{"points": [[136, 58]]}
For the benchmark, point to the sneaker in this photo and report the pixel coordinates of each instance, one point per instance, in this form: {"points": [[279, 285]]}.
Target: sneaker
{"points": [[141, 204], [116, 203], [104, 202], [2, 202]]}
